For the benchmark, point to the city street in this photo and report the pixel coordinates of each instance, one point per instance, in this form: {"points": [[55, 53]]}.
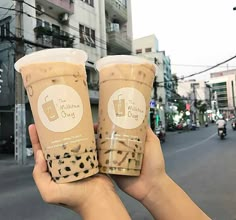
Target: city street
{"points": [[202, 164]]}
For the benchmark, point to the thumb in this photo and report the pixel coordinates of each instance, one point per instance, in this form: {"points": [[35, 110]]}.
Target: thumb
{"points": [[40, 173]]}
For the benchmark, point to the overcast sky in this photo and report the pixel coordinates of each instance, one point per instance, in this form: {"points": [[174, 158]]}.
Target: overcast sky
{"points": [[192, 32]]}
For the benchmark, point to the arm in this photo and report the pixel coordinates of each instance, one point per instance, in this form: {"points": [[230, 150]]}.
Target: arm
{"points": [[92, 198], [167, 201], [156, 190]]}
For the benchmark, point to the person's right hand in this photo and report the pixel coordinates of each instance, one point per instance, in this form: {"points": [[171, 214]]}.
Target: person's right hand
{"points": [[153, 170]]}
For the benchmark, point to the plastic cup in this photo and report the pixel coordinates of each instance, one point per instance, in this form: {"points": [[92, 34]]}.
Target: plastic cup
{"points": [[125, 91], [55, 81]]}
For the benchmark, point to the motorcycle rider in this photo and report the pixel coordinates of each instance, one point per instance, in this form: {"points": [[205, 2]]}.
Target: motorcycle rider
{"points": [[221, 123]]}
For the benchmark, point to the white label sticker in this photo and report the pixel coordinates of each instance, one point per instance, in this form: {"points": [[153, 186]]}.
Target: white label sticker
{"points": [[60, 108], [127, 108]]}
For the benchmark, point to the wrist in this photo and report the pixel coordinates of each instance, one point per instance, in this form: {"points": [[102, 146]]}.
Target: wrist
{"points": [[103, 203]]}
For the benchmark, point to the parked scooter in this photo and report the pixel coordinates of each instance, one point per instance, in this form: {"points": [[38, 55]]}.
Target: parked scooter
{"points": [[161, 134]]}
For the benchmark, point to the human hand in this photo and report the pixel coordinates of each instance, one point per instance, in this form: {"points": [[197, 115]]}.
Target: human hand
{"points": [[83, 196], [153, 170]]}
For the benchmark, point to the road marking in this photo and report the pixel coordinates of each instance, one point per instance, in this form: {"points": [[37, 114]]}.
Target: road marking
{"points": [[195, 145]]}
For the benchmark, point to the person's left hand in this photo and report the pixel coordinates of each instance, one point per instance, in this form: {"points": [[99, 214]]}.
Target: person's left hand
{"points": [[76, 195]]}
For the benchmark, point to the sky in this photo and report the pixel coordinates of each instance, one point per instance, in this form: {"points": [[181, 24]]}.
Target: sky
{"points": [[195, 34]]}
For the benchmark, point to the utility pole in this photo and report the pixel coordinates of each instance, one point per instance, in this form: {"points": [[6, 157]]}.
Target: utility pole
{"points": [[233, 97], [20, 118], [194, 101]]}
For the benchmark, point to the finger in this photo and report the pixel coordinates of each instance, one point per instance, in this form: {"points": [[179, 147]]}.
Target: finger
{"points": [[34, 139], [42, 178]]}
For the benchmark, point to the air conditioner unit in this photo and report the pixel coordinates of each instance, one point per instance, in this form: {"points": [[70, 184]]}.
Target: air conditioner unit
{"points": [[39, 9], [64, 18]]}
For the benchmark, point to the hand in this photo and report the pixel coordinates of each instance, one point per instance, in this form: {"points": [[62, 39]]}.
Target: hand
{"points": [[83, 196], [153, 169]]}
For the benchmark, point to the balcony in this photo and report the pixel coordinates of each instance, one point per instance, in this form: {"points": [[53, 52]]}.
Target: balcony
{"points": [[56, 6], [118, 43], [45, 36], [116, 9]]}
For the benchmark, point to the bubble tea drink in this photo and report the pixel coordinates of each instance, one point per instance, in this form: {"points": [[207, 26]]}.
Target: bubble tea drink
{"points": [[55, 81], [125, 91]]}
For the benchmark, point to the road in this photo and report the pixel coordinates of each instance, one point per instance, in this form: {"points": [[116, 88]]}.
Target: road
{"points": [[202, 164]]}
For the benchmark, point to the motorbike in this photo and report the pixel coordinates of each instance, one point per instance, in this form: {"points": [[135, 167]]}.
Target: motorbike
{"points": [[160, 133], [221, 133], [233, 125]]}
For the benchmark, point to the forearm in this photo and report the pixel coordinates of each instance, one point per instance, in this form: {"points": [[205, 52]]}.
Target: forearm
{"points": [[106, 206], [167, 201]]}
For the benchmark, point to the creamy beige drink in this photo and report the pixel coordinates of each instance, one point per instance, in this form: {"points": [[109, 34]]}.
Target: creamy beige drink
{"points": [[125, 91], [55, 81]]}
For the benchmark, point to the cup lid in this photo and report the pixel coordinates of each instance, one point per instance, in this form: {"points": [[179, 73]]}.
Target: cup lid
{"points": [[121, 59], [68, 55]]}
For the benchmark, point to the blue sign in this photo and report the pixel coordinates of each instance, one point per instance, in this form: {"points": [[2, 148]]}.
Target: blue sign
{"points": [[153, 104]]}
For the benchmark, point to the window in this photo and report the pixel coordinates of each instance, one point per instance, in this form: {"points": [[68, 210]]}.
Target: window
{"points": [[148, 50], [56, 33], [87, 36], [2, 31], [39, 22], [138, 51], [89, 2], [47, 25], [7, 29]]}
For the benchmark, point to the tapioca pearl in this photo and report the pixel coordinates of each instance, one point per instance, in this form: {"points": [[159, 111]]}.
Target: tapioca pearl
{"points": [[88, 158], [54, 80], [94, 157], [66, 176], [61, 162], [56, 178], [76, 174], [133, 154], [59, 171], [77, 157], [119, 152], [57, 157], [67, 155], [136, 145], [48, 156], [63, 146], [81, 165], [67, 169], [100, 135], [86, 171], [92, 165], [73, 161], [50, 163]]}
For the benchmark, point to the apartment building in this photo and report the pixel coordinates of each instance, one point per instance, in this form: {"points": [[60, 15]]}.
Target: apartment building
{"points": [[223, 85], [148, 47], [99, 27]]}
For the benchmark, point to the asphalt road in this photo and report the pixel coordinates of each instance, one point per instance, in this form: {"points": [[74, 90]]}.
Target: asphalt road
{"points": [[202, 164]]}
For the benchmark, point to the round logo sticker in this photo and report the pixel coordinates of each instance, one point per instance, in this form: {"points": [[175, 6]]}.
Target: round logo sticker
{"points": [[60, 108], [127, 108]]}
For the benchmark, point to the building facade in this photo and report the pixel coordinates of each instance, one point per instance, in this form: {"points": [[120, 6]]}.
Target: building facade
{"points": [[148, 48], [223, 85], [98, 27]]}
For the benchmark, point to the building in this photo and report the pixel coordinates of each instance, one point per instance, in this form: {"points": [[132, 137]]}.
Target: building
{"points": [[98, 27], [223, 85], [198, 94], [148, 48]]}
